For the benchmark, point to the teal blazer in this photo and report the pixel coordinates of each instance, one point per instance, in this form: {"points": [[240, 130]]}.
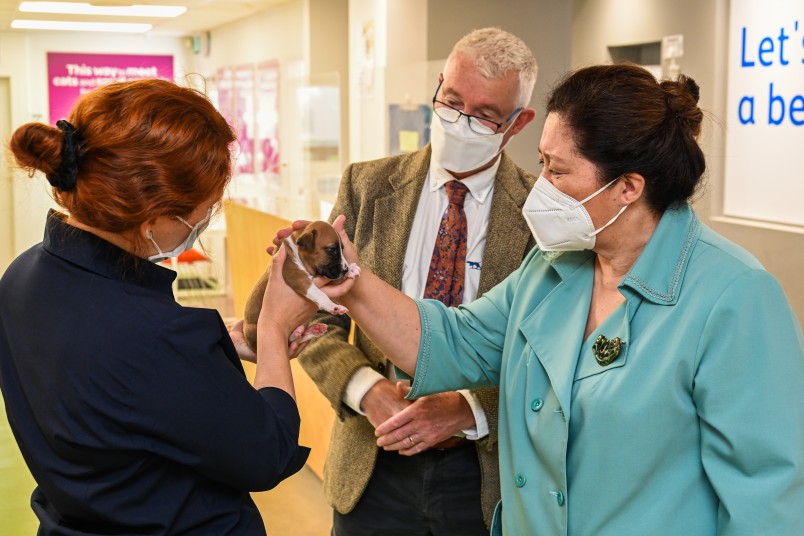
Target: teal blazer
{"points": [[696, 428]]}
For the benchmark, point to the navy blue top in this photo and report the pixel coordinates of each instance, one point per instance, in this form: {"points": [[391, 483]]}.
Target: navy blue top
{"points": [[132, 412]]}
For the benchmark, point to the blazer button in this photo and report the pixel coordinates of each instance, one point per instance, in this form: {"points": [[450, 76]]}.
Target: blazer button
{"points": [[520, 480], [381, 368], [559, 495], [537, 405]]}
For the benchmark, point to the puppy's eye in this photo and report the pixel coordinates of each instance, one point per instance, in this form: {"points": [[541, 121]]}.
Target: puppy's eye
{"points": [[331, 250]]}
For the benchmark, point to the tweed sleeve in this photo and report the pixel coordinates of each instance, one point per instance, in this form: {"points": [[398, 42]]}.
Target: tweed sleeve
{"points": [[331, 360]]}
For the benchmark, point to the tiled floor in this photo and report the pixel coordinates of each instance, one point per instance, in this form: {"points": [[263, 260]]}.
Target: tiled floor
{"points": [[296, 507]]}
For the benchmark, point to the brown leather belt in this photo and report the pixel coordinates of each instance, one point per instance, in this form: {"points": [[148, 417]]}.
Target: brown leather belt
{"points": [[449, 443]]}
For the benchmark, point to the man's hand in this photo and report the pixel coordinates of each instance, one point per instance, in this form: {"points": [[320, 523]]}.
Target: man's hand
{"points": [[382, 402], [425, 423]]}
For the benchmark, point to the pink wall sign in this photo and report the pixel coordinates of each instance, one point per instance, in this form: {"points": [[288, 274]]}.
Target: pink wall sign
{"points": [[72, 75]]}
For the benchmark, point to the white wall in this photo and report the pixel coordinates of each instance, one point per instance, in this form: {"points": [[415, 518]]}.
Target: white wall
{"points": [[394, 72], [6, 190], [598, 24], [368, 57], [544, 25], [276, 33], [23, 59], [307, 52]]}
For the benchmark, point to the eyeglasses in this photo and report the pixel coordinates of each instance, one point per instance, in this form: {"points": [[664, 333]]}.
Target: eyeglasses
{"points": [[479, 125]]}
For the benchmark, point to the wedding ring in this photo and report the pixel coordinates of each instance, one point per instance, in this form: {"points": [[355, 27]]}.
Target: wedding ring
{"points": [[411, 441]]}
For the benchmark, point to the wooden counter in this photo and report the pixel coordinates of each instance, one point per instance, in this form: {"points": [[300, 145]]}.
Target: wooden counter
{"points": [[248, 233]]}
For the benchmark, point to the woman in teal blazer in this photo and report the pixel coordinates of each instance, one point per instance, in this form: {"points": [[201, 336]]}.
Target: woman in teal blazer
{"points": [[651, 373]]}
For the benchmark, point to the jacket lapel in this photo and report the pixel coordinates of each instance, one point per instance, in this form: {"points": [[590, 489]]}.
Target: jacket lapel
{"points": [[508, 238], [394, 212], [555, 329]]}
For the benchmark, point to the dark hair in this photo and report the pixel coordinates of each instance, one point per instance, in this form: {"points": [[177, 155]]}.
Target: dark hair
{"points": [[147, 148], [624, 121]]}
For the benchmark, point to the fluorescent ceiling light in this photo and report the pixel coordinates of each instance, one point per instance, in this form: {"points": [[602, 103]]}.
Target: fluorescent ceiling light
{"points": [[80, 26], [76, 8]]}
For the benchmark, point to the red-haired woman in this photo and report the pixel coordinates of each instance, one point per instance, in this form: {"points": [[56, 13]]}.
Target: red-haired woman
{"points": [[132, 412]]}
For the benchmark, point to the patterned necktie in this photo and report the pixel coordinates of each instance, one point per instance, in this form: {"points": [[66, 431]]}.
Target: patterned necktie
{"points": [[445, 278]]}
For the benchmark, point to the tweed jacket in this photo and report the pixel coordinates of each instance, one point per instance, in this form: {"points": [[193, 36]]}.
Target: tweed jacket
{"points": [[379, 200]]}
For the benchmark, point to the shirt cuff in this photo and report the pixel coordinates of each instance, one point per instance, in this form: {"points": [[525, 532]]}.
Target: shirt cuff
{"points": [[362, 380], [481, 427]]}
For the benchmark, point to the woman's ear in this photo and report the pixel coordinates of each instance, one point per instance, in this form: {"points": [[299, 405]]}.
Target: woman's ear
{"points": [[632, 187], [146, 228]]}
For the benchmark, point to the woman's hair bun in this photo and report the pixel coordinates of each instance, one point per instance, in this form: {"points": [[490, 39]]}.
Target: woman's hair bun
{"points": [[37, 146], [682, 97], [691, 86]]}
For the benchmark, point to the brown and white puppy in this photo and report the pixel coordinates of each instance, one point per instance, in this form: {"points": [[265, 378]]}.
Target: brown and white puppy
{"points": [[314, 251]]}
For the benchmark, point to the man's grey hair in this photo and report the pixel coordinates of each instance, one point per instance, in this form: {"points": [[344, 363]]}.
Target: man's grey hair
{"points": [[495, 53]]}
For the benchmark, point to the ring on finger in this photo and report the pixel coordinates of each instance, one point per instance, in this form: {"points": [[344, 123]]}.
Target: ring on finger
{"points": [[410, 438]]}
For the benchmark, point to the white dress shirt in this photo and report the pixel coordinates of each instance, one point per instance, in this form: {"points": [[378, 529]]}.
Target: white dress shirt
{"points": [[433, 203]]}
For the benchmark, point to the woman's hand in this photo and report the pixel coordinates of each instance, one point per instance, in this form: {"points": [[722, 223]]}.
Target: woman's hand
{"points": [[389, 317], [283, 309], [333, 290], [239, 340], [337, 290], [282, 312], [285, 232], [349, 250]]}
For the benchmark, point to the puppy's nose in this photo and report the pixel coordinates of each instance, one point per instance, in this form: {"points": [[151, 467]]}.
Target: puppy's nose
{"points": [[336, 272]]}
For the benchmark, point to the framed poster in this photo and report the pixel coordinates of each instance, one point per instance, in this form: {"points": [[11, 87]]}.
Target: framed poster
{"points": [[70, 75], [408, 127], [224, 85], [244, 118], [267, 124]]}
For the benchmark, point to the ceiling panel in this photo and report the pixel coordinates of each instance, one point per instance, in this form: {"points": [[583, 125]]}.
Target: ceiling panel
{"points": [[201, 15]]}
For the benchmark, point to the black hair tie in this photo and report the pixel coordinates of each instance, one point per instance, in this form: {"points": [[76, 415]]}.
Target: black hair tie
{"points": [[66, 174]]}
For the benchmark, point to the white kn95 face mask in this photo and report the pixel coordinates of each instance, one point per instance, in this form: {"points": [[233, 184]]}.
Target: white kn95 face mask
{"points": [[559, 222], [456, 147]]}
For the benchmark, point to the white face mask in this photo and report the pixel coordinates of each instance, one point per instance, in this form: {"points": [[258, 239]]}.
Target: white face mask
{"points": [[457, 148], [559, 222], [184, 246]]}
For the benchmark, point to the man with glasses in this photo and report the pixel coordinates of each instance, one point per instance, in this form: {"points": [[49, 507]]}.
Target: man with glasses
{"points": [[445, 223]]}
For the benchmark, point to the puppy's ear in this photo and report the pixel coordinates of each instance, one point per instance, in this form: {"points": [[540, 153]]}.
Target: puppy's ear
{"points": [[306, 240]]}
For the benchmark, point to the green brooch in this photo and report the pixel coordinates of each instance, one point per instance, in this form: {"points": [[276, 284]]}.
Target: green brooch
{"points": [[606, 351]]}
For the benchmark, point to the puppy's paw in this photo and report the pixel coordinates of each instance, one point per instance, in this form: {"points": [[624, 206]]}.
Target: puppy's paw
{"points": [[312, 331], [305, 333], [354, 271], [337, 309], [296, 333], [316, 329]]}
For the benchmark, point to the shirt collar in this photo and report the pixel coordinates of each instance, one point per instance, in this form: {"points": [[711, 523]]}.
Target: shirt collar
{"points": [[94, 254], [480, 184], [659, 271]]}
